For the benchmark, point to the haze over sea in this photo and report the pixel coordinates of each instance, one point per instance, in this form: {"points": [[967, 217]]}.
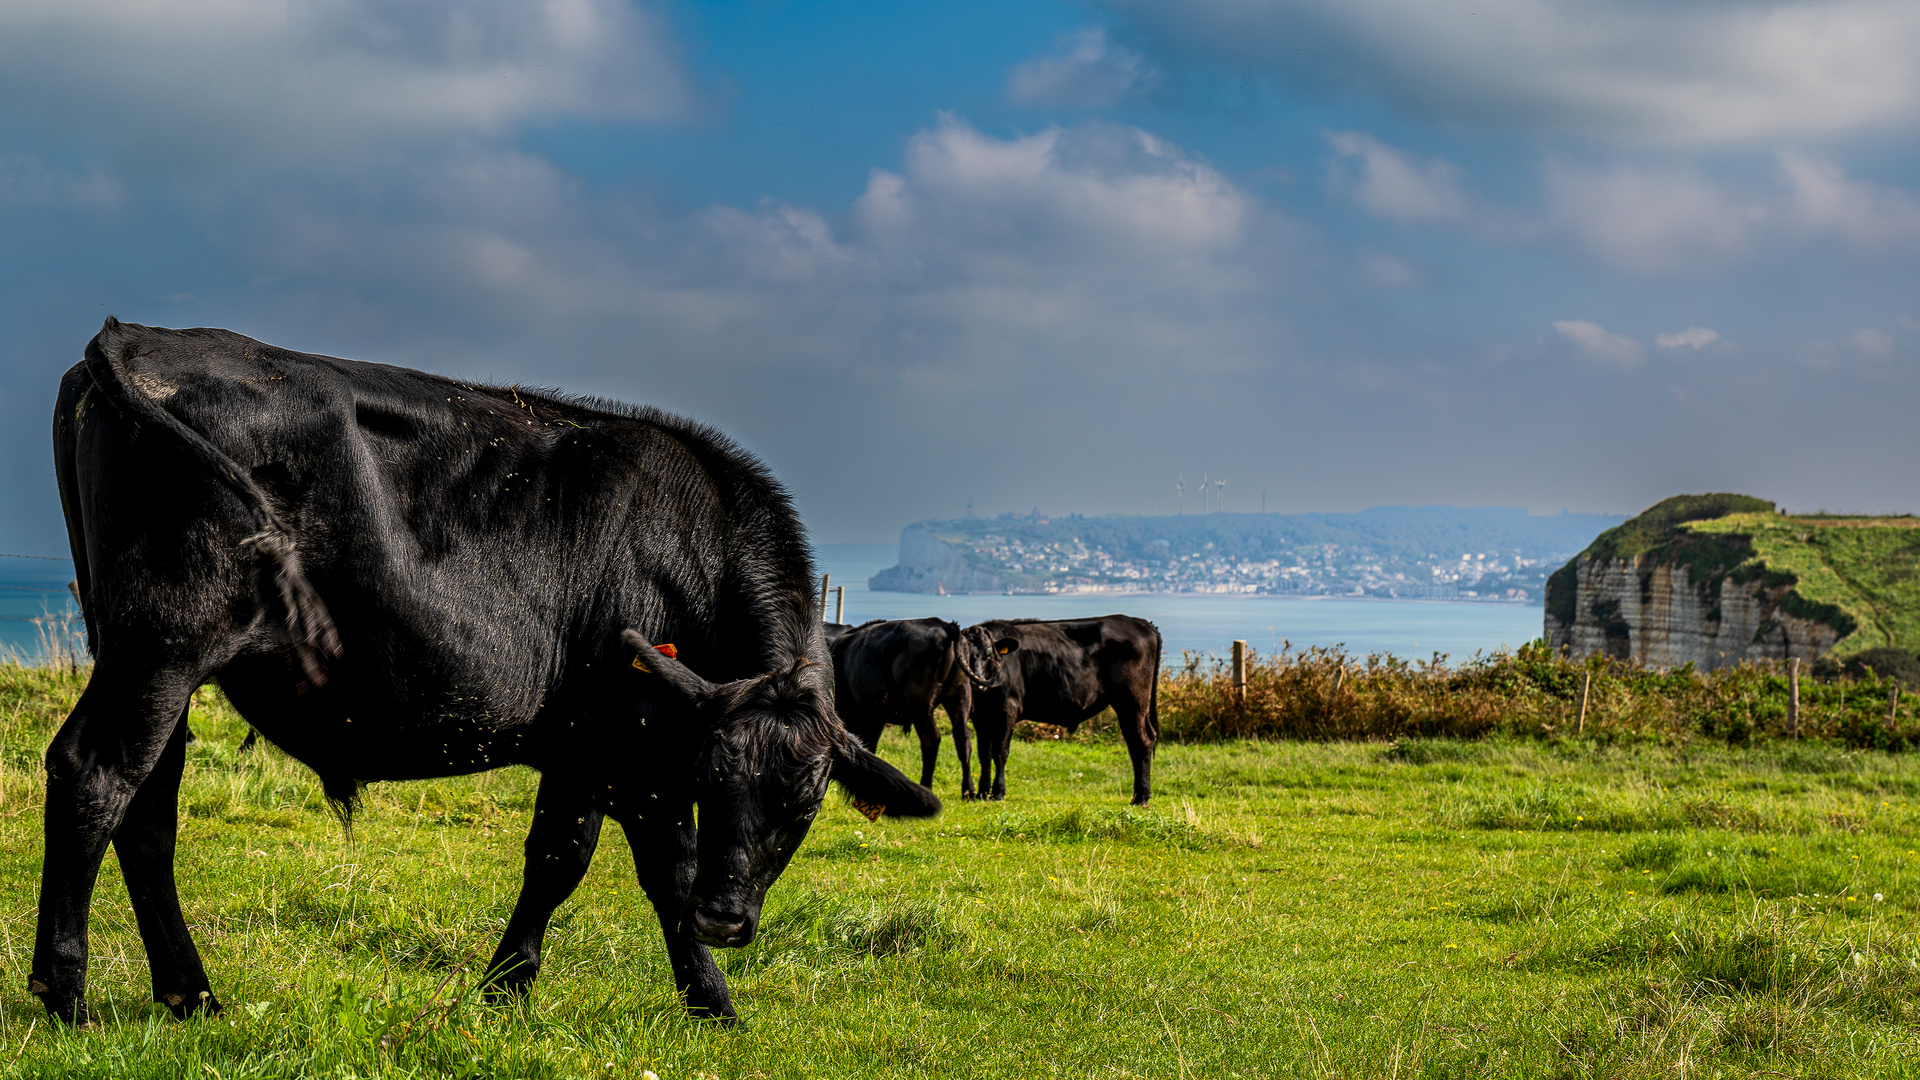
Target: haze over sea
{"points": [[1209, 622], [1201, 623]]}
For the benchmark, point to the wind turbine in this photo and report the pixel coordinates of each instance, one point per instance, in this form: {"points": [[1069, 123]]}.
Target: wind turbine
{"points": [[1203, 491], [1219, 494], [1180, 489]]}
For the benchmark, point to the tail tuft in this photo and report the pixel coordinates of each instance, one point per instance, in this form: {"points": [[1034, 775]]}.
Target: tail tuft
{"points": [[304, 624]]}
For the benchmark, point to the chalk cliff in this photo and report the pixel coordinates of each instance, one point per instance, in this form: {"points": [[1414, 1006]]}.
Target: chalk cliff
{"points": [[1715, 580], [930, 564]]}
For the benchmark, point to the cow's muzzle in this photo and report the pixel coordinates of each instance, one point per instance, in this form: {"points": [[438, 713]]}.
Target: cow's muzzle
{"points": [[722, 929]]}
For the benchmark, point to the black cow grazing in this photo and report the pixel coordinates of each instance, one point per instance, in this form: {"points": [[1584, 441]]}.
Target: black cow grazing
{"points": [[1065, 672], [396, 576], [897, 672]]}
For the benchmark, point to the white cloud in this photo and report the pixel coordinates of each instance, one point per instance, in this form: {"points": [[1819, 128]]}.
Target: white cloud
{"points": [[1036, 259], [306, 79], [1651, 219], [1670, 218], [1822, 200], [1600, 344], [1693, 337], [1388, 272], [1679, 72], [1871, 344], [1087, 72], [1395, 184], [1090, 192], [26, 180], [779, 243]]}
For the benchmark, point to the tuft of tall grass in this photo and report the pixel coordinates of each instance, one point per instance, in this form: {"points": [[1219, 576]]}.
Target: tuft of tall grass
{"points": [[1325, 694]]}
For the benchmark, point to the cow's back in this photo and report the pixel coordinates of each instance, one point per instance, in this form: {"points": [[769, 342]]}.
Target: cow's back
{"points": [[479, 547]]}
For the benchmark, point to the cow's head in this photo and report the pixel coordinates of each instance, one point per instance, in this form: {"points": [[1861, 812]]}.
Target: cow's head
{"points": [[768, 746], [985, 657]]}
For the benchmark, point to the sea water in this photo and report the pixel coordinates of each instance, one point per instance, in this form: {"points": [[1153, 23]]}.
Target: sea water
{"points": [[1210, 623], [31, 588]]}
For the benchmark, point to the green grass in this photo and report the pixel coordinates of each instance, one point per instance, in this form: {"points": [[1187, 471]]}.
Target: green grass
{"points": [[1426, 908]]}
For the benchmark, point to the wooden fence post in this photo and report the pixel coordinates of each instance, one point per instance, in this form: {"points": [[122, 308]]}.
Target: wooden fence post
{"points": [[1239, 672], [824, 579], [1339, 674], [1893, 701], [840, 603], [1793, 697], [1586, 684]]}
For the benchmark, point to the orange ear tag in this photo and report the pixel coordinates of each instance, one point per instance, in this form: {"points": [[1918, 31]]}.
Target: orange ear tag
{"points": [[667, 651], [873, 811]]}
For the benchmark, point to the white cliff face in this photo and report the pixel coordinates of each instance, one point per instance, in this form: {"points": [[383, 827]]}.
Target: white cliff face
{"points": [[1644, 610], [930, 564]]}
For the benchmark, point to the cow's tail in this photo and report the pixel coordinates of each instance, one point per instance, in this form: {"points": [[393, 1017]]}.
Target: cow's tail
{"points": [[300, 618], [1153, 695]]}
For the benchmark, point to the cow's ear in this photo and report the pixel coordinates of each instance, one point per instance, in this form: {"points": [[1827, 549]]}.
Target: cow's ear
{"points": [[878, 787], [1005, 645], [664, 671]]}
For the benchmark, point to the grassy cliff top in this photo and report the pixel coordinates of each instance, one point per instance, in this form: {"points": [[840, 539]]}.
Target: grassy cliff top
{"points": [[1858, 573], [1658, 525], [1661, 533], [1868, 567]]}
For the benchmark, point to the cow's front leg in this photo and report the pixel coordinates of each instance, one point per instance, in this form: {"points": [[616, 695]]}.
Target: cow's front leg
{"points": [[663, 856], [560, 846], [986, 733], [1003, 746], [1141, 730], [144, 844], [106, 750]]}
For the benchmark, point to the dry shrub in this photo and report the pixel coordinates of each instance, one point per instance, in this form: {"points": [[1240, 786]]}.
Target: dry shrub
{"points": [[1324, 693]]}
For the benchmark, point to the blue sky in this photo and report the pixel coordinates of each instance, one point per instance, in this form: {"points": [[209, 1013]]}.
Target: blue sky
{"points": [[1543, 253]]}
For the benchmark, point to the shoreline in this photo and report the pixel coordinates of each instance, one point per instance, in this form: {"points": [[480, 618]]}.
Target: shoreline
{"points": [[1224, 596]]}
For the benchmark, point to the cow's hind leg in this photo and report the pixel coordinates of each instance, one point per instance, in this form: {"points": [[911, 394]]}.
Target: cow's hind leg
{"points": [[144, 844], [994, 731], [962, 745], [663, 855], [119, 731], [924, 727], [560, 846]]}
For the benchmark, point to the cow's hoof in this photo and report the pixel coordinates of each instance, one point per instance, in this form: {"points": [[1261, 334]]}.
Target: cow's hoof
{"points": [[66, 1007], [723, 1017], [968, 796], [183, 1005], [508, 984], [507, 991], [997, 796]]}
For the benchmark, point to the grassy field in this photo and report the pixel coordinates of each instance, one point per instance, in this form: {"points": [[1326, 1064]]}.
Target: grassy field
{"points": [[1420, 908]]}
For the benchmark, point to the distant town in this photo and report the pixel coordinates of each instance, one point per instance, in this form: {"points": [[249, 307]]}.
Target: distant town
{"points": [[1424, 553]]}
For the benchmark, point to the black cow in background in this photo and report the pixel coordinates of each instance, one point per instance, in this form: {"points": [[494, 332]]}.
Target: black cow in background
{"points": [[898, 672], [396, 576], [1065, 672]]}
